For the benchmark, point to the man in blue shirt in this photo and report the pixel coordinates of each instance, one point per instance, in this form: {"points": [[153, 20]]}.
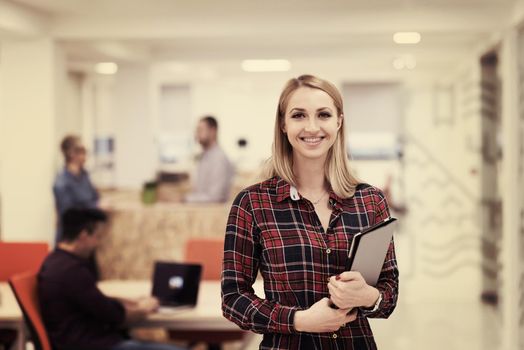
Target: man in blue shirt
{"points": [[215, 172]]}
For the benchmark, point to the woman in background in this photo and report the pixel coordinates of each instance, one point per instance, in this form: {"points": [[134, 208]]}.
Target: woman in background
{"points": [[297, 227]]}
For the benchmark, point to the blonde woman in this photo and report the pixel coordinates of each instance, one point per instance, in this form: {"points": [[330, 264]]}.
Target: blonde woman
{"points": [[296, 227]]}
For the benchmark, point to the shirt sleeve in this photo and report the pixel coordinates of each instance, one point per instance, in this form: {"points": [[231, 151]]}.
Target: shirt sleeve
{"points": [[84, 293], [241, 262], [64, 198], [218, 185], [94, 192], [388, 280]]}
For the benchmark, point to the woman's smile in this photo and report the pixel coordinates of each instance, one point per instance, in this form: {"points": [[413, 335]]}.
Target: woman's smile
{"points": [[312, 140]]}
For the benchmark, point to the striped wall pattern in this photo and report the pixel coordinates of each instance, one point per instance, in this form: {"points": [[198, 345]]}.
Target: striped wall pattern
{"points": [[442, 168]]}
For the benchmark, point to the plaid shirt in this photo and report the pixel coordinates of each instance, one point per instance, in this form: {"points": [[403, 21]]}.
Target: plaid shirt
{"points": [[272, 228]]}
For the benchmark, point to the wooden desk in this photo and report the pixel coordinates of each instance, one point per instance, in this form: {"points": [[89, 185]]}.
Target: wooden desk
{"points": [[206, 315], [10, 314]]}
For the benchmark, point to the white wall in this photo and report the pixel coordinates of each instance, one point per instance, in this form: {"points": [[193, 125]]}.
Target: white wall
{"points": [[512, 188], [135, 155], [442, 190], [69, 119], [27, 138]]}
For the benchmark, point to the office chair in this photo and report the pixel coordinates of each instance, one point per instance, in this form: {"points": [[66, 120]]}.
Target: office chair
{"points": [[24, 288], [18, 257]]}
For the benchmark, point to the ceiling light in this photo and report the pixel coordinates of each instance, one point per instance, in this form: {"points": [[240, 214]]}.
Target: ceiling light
{"points": [[266, 65], [107, 68], [398, 63], [407, 61], [407, 37]]}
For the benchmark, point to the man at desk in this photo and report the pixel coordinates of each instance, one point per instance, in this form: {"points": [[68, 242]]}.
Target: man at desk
{"points": [[215, 172], [76, 314]]}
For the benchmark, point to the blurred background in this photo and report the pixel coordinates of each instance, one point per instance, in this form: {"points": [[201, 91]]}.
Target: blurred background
{"points": [[433, 93]]}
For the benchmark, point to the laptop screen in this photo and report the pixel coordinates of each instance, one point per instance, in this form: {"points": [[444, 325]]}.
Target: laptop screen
{"points": [[176, 284]]}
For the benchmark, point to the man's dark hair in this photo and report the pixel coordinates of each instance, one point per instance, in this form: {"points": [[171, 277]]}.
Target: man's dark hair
{"points": [[75, 220], [210, 121]]}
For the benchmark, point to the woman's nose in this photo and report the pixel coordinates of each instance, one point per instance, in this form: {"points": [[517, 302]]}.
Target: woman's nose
{"points": [[312, 125]]}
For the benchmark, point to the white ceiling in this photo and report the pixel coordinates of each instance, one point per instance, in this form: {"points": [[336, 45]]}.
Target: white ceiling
{"points": [[167, 8], [160, 30]]}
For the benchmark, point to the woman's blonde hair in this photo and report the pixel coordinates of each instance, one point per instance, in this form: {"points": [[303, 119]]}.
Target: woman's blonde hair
{"points": [[337, 170]]}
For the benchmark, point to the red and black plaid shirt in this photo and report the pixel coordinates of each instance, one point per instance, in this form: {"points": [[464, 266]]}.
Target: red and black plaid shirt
{"points": [[272, 229]]}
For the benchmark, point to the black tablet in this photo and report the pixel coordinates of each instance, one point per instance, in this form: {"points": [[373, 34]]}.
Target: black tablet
{"points": [[369, 248]]}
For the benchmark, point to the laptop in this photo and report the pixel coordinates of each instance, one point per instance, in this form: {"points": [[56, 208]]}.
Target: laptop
{"points": [[176, 284]]}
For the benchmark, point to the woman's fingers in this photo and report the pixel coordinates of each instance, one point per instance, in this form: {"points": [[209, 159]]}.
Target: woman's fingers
{"points": [[349, 276]]}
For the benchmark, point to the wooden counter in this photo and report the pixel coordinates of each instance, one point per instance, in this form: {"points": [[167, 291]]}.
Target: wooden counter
{"points": [[140, 234]]}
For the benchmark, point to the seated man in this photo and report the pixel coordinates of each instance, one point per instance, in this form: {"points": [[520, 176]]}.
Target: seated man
{"points": [[76, 314]]}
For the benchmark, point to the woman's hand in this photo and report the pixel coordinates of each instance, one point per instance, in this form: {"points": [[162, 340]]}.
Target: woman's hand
{"points": [[350, 290], [321, 317]]}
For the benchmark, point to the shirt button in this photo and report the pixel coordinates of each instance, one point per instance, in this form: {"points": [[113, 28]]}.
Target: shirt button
{"points": [[328, 251], [335, 336]]}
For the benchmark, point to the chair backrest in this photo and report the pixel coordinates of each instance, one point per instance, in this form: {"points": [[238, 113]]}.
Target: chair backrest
{"points": [[206, 251], [24, 287], [18, 257]]}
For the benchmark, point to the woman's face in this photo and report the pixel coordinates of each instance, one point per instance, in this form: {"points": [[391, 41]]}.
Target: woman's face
{"points": [[311, 123]]}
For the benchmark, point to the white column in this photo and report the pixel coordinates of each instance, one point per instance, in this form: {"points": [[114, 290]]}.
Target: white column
{"points": [[28, 75], [135, 152], [511, 191]]}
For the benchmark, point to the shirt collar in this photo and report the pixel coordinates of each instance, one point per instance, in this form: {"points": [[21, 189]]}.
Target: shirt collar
{"points": [[286, 190], [283, 189]]}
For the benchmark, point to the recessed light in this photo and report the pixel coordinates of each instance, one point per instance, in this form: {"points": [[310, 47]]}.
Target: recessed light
{"points": [[407, 37], [106, 68]]}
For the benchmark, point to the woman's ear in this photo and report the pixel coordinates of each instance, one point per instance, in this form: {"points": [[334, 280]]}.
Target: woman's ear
{"points": [[339, 121]]}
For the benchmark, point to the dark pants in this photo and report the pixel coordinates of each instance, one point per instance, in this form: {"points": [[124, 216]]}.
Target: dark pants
{"points": [[138, 345]]}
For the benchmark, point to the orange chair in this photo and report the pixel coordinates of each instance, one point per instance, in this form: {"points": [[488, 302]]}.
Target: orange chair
{"points": [[209, 252], [24, 288], [17, 257]]}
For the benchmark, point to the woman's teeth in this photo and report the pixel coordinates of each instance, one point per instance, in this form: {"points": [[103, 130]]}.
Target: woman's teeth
{"points": [[312, 139]]}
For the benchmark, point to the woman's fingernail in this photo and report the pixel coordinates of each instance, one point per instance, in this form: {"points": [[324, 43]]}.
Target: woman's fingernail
{"points": [[337, 277]]}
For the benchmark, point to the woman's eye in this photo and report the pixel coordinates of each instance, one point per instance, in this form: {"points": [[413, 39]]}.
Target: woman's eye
{"points": [[297, 115], [325, 115]]}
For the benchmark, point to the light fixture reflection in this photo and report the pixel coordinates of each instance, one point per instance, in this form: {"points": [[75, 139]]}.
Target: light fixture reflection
{"points": [[107, 68]]}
